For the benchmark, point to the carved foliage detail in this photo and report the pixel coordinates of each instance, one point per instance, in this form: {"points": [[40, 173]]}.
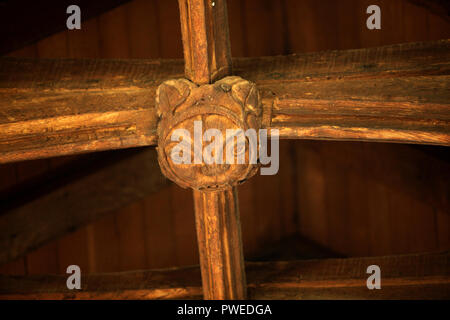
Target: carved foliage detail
{"points": [[231, 103]]}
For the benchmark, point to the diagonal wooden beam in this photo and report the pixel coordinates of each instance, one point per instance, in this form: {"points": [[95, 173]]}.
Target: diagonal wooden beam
{"points": [[439, 7], [395, 94], [416, 276], [19, 18], [71, 198], [207, 56]]}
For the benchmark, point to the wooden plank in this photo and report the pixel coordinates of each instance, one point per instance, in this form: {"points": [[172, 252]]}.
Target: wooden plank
{"points": [[172, 283], [421, 276], [19, 19], [394, 93], [390, 203], [220, 244], [439, 7], [206, 40], [207, 56], [89, 192], [417, 276], [59, 107]]}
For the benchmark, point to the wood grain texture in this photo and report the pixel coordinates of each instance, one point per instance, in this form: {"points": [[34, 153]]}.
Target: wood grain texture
{"points": [[393, 198], [25, 22], [123, 178], [220, 245], [231, 103], [390, 218], [424, 276], [439, 7], [206, 43], [207, 56], [395, 94], [59, 107]]}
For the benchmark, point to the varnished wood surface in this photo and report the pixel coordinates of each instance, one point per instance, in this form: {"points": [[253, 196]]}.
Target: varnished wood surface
{"points": [[423, 276], [395, 94]]}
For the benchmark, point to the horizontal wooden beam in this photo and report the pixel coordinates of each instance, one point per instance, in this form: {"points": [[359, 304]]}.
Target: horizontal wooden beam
{"points": [[417, 276], [396, 93], [75, 197], [60, 107]]}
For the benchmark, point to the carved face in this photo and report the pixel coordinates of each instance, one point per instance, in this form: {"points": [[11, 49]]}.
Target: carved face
{"points": [[213, 171], [202, 155]]}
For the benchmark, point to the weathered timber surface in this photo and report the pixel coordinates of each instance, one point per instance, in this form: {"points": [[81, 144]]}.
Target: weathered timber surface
{"points": [[417, 276], [231, 103], [207, 56], [124, 177], [395, 93], [220, 244], [206, 40], [175, 283], [59, 107]]}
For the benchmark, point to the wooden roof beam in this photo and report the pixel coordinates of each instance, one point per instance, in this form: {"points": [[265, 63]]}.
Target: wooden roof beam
{"points": [[206, 40], [19, 18], [207, 56], [415, 276], [52, 107], [80, 193], [439, 7], [395, 93]]}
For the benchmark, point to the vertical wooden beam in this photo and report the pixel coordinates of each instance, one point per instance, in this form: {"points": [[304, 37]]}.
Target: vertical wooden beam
{"points": [[206, 40], [206, 44], [219, 239]]}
